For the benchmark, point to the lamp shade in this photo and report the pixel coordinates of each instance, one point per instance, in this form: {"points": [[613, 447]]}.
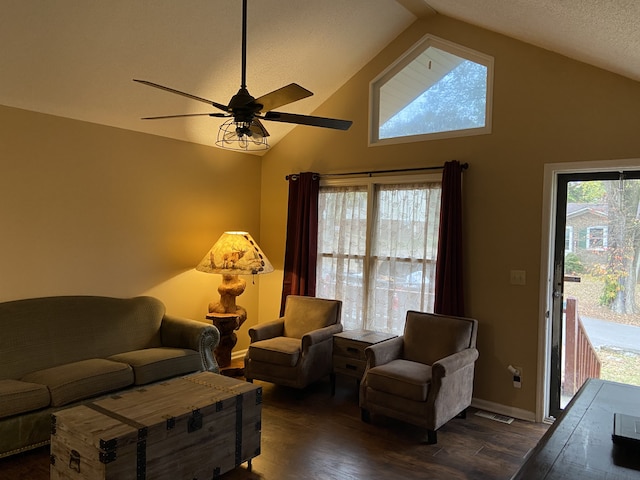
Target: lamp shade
{"points": [[235, 253]]}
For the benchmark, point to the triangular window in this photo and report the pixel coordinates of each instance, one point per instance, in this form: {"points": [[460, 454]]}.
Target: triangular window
{"points": [[436, 90]]}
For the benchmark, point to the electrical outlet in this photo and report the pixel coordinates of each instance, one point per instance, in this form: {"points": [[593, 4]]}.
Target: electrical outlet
{"points": [[517, 377]]}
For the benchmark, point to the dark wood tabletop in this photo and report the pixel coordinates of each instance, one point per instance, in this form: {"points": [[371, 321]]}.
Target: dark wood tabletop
{"points": [[579, 444]]}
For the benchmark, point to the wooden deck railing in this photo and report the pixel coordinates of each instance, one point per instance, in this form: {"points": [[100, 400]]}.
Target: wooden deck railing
{"points": [[581, 360]]}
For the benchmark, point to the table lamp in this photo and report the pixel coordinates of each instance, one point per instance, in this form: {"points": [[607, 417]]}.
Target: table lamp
{"points": [[235, 253]]}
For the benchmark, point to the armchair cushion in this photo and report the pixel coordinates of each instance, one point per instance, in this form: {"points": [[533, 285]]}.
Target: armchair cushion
{"points": [[403, 378], [428, 342], [278, 351], [307, 314]]}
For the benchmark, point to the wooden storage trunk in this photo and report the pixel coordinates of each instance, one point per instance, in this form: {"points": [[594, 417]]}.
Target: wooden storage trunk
{"points": [[195, 427]]}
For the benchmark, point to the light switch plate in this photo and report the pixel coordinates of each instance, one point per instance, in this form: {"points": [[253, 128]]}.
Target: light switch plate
{"points": [[518, 277]]}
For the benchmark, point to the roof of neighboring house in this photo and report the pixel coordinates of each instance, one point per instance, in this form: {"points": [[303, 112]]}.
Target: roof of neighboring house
{"points": [[576, 209]]}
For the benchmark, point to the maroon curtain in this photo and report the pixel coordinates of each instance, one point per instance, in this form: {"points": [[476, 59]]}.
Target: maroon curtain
{"points": [[302, 237], [449, 294]]}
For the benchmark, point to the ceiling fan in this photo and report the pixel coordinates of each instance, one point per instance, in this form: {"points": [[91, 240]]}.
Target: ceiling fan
{"points": [[247, 111]]}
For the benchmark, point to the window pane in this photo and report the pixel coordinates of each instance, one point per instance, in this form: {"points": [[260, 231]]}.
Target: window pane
{"points": [[399, 274], [404, 248], [343, 281], [341, 250], [458, 101], [438, 89]]}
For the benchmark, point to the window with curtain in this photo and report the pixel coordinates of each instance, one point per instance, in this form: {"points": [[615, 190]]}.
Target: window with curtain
{"points": [[377, 248]]}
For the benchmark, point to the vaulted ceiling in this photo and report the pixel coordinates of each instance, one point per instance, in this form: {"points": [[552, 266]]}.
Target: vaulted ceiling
{"points": [[77, 59]]}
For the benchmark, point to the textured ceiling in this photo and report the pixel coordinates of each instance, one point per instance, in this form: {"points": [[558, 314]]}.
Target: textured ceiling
{"points": [[604, 33], [77, 59]]}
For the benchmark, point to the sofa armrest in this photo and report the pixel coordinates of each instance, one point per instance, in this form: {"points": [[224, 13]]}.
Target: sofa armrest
{"points": [[322, 334], [453, 363], [186, 333], [265, 330], [384, 352]]}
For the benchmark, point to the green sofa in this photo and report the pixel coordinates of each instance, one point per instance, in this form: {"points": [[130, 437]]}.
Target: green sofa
{"points": [[56, 352]]}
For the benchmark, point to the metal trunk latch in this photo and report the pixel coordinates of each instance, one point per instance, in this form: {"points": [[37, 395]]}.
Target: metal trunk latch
{"points": [[74, 460], [195, 421]]}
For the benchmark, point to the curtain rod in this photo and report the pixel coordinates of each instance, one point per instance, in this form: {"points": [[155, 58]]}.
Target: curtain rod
{"points": [[294, 176]]}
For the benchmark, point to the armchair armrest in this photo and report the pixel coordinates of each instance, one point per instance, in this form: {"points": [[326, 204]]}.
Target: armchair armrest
{"points": [[451, 385], [186, 333], [320, 335], [384, 352], [265, 330], [453, 363]]}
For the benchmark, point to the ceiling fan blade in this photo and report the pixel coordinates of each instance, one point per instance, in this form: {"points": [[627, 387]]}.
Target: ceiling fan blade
{"points": [[187, 115], [178, 92], [308, 120], [258, 128], [283, 96]]}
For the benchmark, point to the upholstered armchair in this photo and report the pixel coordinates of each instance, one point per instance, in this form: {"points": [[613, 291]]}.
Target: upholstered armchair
{"points": [[295, 350], [425, 376]]}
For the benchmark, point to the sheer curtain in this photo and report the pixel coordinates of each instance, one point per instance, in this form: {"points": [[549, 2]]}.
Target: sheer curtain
{"points": [[377, 249], [404, 249], [342, 246]]}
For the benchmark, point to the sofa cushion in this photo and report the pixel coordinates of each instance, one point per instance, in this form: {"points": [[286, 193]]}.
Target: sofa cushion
{"points": [[153, 364], [78, 380], [402, 378], [19, 397], [279, 351]]}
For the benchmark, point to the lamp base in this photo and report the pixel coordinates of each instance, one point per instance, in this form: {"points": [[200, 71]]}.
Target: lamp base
{"points": [[227, 317], [226, 323]]}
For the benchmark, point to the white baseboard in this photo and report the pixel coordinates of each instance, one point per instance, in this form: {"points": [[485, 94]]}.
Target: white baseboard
{"points": [[503, 409]]}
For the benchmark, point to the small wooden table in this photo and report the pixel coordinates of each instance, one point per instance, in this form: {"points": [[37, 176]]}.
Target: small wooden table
{"points": [[579, 443], [226, 323], [348, 352]]}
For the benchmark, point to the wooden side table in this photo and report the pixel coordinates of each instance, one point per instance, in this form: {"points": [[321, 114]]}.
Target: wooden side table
{"points": [[226, 323], [348, 352]]}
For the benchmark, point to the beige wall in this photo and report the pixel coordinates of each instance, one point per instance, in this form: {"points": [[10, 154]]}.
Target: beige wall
{"points": [[88, 209], [546, 109]]}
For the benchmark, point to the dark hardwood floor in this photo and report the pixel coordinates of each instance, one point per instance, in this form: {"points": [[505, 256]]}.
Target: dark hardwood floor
{"points": [[312, 435]]}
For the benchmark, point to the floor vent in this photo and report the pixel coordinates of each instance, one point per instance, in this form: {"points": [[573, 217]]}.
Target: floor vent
{"points": [[495, 416]]}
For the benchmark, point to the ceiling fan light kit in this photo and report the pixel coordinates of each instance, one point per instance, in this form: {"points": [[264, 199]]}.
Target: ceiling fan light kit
{"points": [[243, 130], [241, 136]]}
